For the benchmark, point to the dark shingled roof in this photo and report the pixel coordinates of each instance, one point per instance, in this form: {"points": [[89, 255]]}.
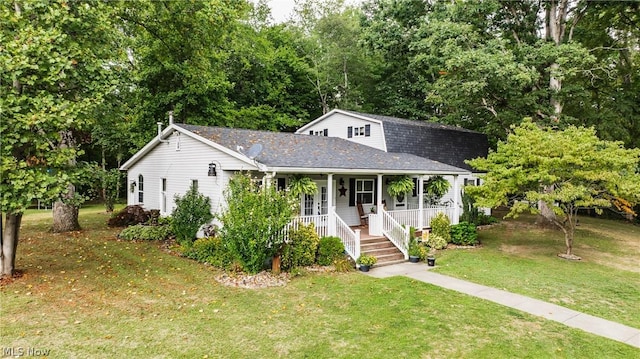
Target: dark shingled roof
{"points": [[447, 144], [304, 151]]}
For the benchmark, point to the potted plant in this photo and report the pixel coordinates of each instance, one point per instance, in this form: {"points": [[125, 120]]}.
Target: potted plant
{"points": [[431, 259], [400, 185], [414, 251], [366, 261]]}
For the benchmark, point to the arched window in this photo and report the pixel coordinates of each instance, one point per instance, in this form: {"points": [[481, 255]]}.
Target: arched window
{"points": [[140, 189]]}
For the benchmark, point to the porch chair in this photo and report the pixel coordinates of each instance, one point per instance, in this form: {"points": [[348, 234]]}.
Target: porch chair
{"points": [[364, 218]]}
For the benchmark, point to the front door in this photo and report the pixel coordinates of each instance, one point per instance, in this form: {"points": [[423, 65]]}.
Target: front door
{"points": [[317, 203]]}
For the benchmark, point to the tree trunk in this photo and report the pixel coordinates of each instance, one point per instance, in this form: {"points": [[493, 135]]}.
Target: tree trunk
{"points": [[65, 216], [9, 243], [547, 217]]}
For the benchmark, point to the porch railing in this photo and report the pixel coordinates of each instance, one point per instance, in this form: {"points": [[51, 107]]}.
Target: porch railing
{"points": [[411, 217], [398, 235], [431, 211], [350, 239], [320, 223], [408, 217]]}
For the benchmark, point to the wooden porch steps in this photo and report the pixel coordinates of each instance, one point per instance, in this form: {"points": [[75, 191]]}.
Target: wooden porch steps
{"points": [[383, 249]]}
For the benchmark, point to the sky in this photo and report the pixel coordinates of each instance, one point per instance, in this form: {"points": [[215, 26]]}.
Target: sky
{"points": [[281, 9]]}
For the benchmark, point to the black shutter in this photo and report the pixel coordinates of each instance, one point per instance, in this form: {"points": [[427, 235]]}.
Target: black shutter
{"points": [[352, 191], [326, 132], [349, 132], [415, 188], [311, 132], [367, 130]]}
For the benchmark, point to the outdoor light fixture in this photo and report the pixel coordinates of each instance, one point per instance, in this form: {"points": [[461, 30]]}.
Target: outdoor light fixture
{"points": [[342, 181], [212, 170]]}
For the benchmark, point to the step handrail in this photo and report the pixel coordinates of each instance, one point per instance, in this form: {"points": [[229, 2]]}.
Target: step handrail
{"points": [[350, 239], [397, 234]]}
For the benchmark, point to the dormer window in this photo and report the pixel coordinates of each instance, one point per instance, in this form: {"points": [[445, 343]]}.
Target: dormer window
{"points": [[362, 131], [324, 132]]}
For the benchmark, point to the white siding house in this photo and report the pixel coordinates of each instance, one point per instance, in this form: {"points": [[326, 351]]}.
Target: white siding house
{"points": [[351, 157]]}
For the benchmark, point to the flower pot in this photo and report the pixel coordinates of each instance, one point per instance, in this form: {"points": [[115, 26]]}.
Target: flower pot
{"points": [[431, 261], [364, 268], [414, 259]]}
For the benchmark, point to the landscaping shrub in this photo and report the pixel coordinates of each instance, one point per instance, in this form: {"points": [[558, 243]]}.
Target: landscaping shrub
{"points": [[440, 226], [252, 221], [300, 250], [436, 242], [343, 264], [144, 232], [192, 211], [464, 234], [209, 250], [129, 216], [329, 250], [483, 219]]}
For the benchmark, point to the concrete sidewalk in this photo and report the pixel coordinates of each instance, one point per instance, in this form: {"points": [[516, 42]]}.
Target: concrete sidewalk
{"points": [[569, 317]]}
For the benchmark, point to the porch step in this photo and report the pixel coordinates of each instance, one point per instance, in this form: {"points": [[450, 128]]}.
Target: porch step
{"points": [[383, 249]]}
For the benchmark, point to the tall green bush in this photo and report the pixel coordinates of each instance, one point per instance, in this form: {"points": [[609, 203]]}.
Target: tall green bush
{"points": [[329, 250], [253, 220], [464, 234], [300, 250], [440, 226], [191, 212]]}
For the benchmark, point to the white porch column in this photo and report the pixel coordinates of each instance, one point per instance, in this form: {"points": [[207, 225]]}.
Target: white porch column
{"points": [[420, 202], [331, 226], [456, 201], [379, 191]]}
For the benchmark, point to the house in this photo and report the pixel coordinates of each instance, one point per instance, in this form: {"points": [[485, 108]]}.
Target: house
{"points": [[351, 157]]}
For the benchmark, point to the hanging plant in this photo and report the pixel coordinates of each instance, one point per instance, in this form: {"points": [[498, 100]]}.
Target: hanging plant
{"points": [[435, 188], [299, 184], [400, 185]]}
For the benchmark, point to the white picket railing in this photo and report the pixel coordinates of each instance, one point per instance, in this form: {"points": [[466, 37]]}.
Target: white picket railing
{"points": [[408, 217], [430, 212], [320, 223], [397, 234], [411, 217], [350, 239]]}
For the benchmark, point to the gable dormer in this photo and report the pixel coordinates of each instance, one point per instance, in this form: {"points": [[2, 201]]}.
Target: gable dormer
{"points": [[349, 126]]}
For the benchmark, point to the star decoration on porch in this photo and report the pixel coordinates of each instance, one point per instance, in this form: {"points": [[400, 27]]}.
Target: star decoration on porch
{"points": [[343, 191]]}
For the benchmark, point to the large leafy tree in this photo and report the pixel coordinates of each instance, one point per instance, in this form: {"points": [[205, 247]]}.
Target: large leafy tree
{"points": [[341, 71], [57, 57], [577, 168]]}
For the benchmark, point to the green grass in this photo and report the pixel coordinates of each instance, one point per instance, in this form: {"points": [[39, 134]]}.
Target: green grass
{"points": [[86, 294], [521, 258]]}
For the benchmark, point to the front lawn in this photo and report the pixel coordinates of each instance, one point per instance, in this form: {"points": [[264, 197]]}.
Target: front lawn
{"points": [[86, 294], [521, 258]]}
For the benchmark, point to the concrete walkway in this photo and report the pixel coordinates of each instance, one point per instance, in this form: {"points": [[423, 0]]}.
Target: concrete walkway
{"points": [[569, 317]]}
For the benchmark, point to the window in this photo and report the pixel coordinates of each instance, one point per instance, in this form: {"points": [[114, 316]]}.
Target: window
{"points": [[364, 191], [282, 184], [324, 132], [362, 131], [163, 196], [140, 189], [470, 182]]}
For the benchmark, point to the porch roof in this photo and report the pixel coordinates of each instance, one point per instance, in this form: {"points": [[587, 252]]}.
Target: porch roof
{"points": [[305, 153]]}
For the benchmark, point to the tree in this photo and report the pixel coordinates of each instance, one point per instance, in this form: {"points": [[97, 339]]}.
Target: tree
{"points": [[56, 63], [579, 169], [340, 70], [253, 220]]}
